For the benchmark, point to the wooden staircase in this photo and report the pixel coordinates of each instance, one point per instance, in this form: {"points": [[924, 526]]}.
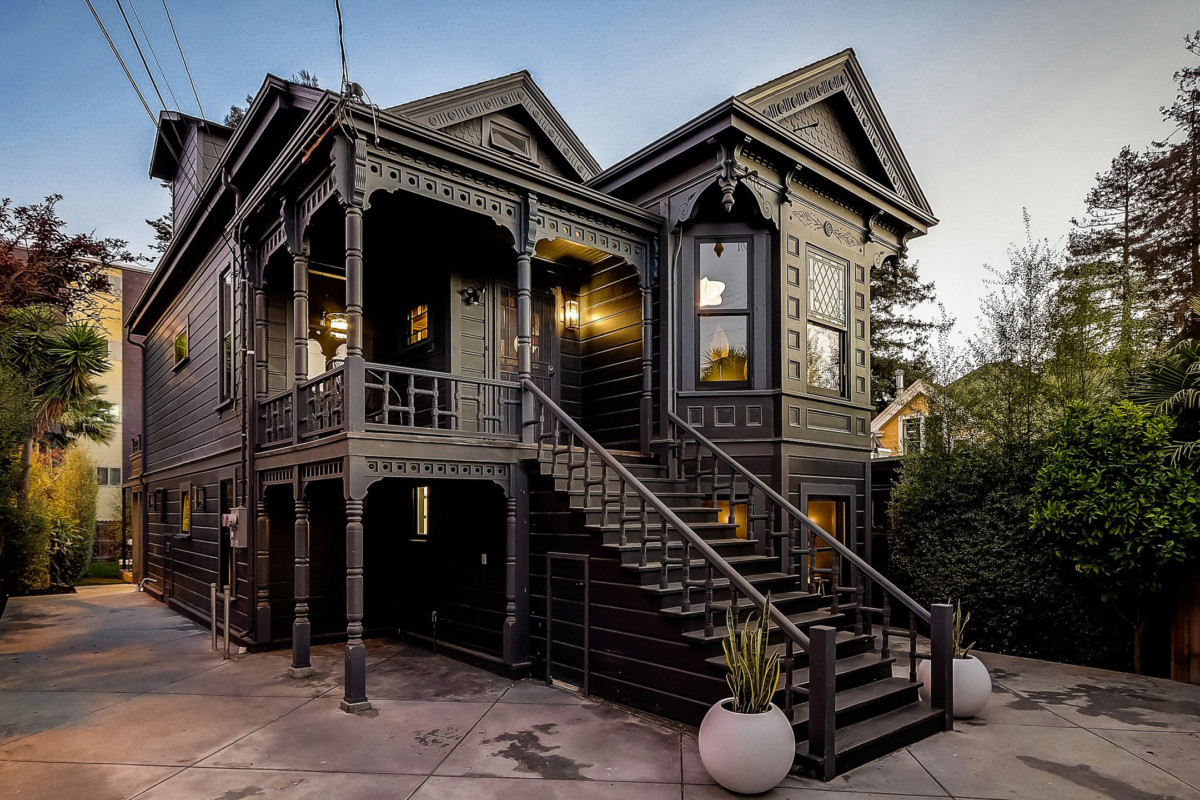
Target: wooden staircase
{"points": [[655, 643]]}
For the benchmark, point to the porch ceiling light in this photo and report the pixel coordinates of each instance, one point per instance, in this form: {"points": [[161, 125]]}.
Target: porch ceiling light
{"points": [[710, 292], [472, 295], [571, 315], [336, 323]]}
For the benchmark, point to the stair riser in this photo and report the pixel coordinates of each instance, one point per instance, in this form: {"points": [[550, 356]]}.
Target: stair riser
{"points": [[725, 549], [713, 648], [653, 575], [795, 605], [671, 597]]}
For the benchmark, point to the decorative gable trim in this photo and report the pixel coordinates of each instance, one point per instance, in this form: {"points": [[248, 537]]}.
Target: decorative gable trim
{"points": [[449, 110], [788, 96], [919, 387]]}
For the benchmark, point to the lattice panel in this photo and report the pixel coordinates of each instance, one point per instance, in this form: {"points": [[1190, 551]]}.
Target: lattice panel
{"points": [[826, 289]]}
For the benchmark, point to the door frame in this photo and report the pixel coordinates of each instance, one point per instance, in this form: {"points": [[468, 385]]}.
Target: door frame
{"points": [[587, 622]]}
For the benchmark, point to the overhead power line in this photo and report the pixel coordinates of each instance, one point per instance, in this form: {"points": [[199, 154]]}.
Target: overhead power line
{"points": [[121, 61], [154, 55], [141, 55], [178, 46]]}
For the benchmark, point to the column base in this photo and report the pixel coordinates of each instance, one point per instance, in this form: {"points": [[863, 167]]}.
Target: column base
{"points": [[355, 708], [301, 672]]}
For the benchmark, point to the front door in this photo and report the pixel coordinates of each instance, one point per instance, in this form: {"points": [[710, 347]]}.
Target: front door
{"points": [[544, 343]]}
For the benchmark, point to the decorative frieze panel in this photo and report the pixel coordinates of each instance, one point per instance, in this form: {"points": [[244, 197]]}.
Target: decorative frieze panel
{"points": [[819, 222], [421, 175], [275, 240], [421, 468], [320, 470], [557, 221], [889, 166], [274, 477]]}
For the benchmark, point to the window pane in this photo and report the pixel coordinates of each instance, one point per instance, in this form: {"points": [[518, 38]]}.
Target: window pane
{"points": [[114, 476], [826, 289], [418, 324], [723, 275], [824, 358], [724, 354]]}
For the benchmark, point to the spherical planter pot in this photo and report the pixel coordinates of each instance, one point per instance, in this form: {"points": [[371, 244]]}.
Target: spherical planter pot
{"points": [[746, 753], [972, 685]]}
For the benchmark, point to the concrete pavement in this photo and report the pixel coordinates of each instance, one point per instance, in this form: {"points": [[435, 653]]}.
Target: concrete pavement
{"points": [[106, 694]]}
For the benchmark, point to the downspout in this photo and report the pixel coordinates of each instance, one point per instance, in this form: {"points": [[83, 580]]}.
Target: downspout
{"points": [[143, 506]]}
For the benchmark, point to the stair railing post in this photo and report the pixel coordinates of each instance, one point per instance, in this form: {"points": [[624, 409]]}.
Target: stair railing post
{"points": [[822, 686], [789, 667], [941, 656]]}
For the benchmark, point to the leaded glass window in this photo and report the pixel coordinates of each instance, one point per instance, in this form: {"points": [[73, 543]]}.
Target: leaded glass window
{"points": [[826, 331]]}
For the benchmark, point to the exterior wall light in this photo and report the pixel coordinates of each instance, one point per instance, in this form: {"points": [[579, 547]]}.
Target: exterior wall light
{"points": [[472, 295], [571, 315], [336, 323]]}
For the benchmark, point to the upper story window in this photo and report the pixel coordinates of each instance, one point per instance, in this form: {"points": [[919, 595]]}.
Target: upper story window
{"points": [[227, 336], [723, 311], [828, 280], [912, 434], [179, 348]]}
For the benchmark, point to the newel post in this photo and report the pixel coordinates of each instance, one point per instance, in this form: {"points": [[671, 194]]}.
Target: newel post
{"points": [[941, 661], [354, 374], [822, 686]]}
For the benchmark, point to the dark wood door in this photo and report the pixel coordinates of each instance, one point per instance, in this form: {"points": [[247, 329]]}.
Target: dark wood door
{"points": [[545, 339]]}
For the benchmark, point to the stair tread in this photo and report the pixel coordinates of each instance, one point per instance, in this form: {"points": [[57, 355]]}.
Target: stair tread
{"points": [[699, 562], [714, 543], [841, 638], [858, 696], [869, 731], [801, 618], [744, 603], [722, 583]]}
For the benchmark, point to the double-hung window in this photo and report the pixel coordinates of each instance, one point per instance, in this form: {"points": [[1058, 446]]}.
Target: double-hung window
{"points": [[826, 323], [723, 311]]}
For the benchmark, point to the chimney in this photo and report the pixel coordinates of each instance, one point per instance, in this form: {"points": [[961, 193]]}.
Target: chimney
{"points": [[899, 381]]}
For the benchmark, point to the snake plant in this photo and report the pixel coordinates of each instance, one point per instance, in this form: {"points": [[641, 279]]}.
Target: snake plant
{"points": [[960, 628], [753, 671]]}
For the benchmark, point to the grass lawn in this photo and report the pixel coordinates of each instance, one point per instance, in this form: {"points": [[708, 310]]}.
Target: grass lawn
{"points": [[101, 572]]}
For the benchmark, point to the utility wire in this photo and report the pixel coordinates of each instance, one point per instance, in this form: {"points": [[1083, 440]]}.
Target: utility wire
{"points": [[138, 47], [157, 63], [121, 61], [178, 46], [342, 45]]}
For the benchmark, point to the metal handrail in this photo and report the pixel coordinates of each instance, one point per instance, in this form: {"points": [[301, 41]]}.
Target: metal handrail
{"points": [[425, 373], [714, 559], [799, 515]]}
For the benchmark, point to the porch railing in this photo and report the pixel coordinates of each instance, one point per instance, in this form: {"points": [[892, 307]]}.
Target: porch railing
{"points": [[398, 397], [393, 398], [802, 544]]}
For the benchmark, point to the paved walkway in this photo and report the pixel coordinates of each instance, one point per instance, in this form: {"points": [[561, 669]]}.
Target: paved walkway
{"points": [[106, 694]]}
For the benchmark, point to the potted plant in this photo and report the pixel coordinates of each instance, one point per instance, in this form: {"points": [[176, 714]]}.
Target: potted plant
{"points": [[972, 684], [746, 743]]}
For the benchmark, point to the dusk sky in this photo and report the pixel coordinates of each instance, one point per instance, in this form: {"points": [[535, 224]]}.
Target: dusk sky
{"points": [[997, 106]]}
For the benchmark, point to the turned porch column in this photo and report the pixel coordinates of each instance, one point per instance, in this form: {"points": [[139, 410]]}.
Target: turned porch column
{"points": [[301, 630], [354, 402], [525, 341], [299, 316], [355, 698]]}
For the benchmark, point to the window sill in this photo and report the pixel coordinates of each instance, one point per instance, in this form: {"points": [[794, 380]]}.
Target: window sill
{"points": [[180, 365], [223, 406]]}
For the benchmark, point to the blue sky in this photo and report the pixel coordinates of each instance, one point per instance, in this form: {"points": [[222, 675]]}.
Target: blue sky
{"points": [[998, 106]]}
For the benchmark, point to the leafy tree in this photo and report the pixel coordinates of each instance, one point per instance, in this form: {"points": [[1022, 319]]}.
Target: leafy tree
{"points": [[164, 228], [1171, 250], [43, 265], [899, 339], [1108, 502], [1015, 340]]}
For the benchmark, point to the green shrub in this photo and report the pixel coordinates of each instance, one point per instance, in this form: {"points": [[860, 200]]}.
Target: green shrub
{"points": [[961, 530]]}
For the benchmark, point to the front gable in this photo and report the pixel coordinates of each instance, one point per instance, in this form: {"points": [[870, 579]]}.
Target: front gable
{"points": [[830, 106], [510, 115]]}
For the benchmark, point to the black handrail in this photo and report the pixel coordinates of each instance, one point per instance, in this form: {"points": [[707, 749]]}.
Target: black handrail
{"points": [[714, 559], [799, 515]]}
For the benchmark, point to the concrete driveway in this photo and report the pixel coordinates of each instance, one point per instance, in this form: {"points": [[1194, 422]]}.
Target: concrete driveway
{"points": [[107, 694]]}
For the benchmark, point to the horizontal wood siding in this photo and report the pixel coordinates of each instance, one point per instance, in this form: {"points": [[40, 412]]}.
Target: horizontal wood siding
{"points": [[610, 356]]}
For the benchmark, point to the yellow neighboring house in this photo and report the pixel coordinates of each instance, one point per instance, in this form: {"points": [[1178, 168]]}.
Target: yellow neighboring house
{"points": [[112, 459], [900, 427]]}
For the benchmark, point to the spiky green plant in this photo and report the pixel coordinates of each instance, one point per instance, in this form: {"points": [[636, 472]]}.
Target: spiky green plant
{"points": [[960, 628], [753, 671]]}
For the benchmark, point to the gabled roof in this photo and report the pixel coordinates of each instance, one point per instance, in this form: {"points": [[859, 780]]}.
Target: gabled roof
{"points": [[172, 129], [834, 94], [481, 99], [918, 387]]}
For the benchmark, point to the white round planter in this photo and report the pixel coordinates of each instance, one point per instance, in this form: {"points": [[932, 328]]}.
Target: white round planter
{"points": [[746, 753], [972, 685]]}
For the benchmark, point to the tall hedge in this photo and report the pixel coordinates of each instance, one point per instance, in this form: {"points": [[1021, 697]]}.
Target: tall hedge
{"points": [[961, 526]]}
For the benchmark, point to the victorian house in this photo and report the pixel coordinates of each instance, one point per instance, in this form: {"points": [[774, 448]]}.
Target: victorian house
{"points": [[429, 371]]}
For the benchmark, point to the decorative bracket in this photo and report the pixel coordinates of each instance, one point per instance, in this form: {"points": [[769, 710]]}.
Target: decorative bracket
{"points": [[297, 244], [530, 229], [349, 157], [729, 171]]}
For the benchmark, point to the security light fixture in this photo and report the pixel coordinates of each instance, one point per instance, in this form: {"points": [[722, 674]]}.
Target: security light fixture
{"points": [[472, 295]]}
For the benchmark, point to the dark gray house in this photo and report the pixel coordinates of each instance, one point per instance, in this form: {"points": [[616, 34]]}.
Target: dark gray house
{"points": [[427, 369]]}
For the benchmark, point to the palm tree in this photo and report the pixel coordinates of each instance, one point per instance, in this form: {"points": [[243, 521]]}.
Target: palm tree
{"points": [[1170, 384], [59, 361]]}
